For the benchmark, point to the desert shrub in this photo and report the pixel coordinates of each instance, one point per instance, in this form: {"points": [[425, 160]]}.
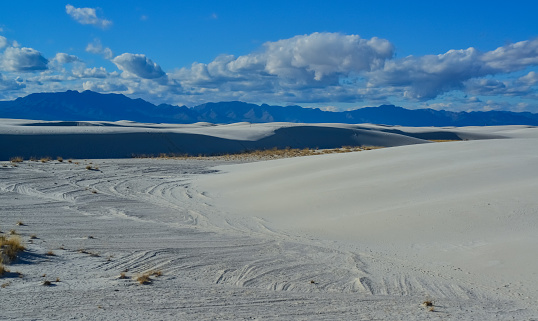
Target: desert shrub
{"points": [[9, 248], [144, 278], [60, 159]]}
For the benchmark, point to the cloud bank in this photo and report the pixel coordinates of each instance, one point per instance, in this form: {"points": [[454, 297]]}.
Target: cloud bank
{"points": [[321, 68]]}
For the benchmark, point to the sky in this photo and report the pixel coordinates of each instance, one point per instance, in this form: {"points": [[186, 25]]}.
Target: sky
{"points": [[334, 55]]}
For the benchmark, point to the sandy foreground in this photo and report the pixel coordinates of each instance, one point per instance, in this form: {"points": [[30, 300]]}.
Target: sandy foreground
{"points": [[367, 235]]}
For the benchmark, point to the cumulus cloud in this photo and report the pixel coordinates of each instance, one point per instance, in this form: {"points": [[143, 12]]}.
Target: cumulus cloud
{"points": [[64, 58], [10, 84], [87, 16], [529, 79], [96, 47], [90, 72], [322, 55], [428, 76], [3, 42], [23, 60], [138, 65], [105, 86], [318, 59]]}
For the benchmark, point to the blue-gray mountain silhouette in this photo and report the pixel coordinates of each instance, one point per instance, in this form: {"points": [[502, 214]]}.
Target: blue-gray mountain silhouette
{"points": [[88, 105]]}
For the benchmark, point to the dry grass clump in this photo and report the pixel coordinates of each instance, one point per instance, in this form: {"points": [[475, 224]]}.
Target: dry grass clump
{"points": [[144, 279], [123, 276], [50, 253], [429, 305], [16, 159], [9, 248], [20, 223], [45, 159], [60, 159], [47, 283]]}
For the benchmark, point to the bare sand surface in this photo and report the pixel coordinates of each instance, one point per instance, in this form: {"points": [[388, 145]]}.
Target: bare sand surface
{"points": [[369, 235]]}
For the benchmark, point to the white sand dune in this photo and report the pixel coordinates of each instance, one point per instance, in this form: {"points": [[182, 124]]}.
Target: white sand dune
{"points": [[359, 236], [123, 139]]}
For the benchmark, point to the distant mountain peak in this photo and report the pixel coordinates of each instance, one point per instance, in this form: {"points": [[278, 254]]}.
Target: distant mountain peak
{"points": [[72, 105]]}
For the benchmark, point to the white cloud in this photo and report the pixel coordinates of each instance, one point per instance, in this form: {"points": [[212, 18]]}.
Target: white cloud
{"points": [[300, 69], [104, 86], [96, 47], [63, 58], [10, 84], [428, 76], [3, 42], [91, 72], [138, 65], [87, 16], [529, 79], [23, 60], [321, 55]]}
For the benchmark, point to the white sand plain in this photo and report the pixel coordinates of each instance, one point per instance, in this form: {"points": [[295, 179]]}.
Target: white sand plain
{"points": [[368, 235]]}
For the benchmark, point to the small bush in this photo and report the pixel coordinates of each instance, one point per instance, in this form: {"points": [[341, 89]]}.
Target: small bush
{"points": [[9, 248], [47, 283], [144, 279], [20, 223], [428, 303], [45, 159], [89, 167], [50, 253], [60, 159], [16, 159], [122, 276]]}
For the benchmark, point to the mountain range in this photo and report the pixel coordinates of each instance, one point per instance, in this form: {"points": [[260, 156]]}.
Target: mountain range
{"points": [[89, 105]]}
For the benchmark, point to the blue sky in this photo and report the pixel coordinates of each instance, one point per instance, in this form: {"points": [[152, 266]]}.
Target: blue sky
{"points": [[336, 55]]}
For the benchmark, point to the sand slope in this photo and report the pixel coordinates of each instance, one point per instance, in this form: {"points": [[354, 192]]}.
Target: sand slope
{"points": [[359, 236], [466, 209]]}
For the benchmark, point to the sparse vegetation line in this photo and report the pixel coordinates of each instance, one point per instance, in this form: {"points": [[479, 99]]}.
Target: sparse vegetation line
{"points": [[263, 154]]}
